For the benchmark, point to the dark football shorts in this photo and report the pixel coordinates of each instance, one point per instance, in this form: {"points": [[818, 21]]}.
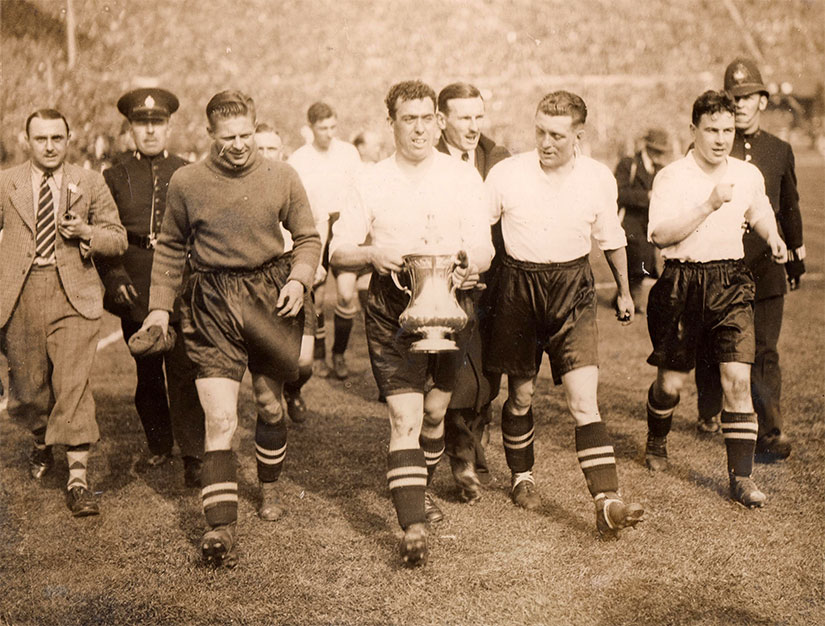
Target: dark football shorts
{"points": [[542, 307], [230, 322], [395, 368], [701, 304]]}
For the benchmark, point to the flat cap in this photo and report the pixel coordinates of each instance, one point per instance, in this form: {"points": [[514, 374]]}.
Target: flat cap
{"points": [[657, 139], [742, 78], [148, 103], [149, 341]]}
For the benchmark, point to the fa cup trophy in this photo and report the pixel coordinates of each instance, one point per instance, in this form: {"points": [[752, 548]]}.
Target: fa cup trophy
{"points": [[433, 310]]}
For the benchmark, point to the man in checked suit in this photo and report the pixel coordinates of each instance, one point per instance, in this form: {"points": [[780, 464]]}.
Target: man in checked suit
{"points": [[55, 218]]}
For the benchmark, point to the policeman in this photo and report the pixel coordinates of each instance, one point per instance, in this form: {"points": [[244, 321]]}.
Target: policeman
{"points": [[138, 182], [775, 160]]}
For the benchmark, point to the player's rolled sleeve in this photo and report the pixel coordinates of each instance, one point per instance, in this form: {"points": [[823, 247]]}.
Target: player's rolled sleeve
{"points": [[607, 229], [664, 201]]}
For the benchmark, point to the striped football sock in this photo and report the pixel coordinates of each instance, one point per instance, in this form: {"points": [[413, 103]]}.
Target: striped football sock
{"points": [[596, 458], [659, 414], [517, 433], [270, 448], [739, 430], [220, 488], [407, 479], [433, 451], [78, 459]]}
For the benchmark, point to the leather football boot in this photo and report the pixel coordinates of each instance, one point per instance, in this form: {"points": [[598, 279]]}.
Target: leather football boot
{"points": [[656, 454], [432, 512], [612, 514], [218, 546], [272, 507], [41, 461], [413, 547], [745, 492]]}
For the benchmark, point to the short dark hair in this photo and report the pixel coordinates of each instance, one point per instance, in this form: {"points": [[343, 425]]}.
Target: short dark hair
{"points": [[558, 103], [712, 102], [318, 112], [456, 90], [265, 127], [408, 90], [228, 104], [46, 114]]}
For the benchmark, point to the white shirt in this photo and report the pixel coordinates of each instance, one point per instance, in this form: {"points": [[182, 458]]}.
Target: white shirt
{"points": [[546, 221], [445, 210], [457, 152], [326, 176], [683, 185]]}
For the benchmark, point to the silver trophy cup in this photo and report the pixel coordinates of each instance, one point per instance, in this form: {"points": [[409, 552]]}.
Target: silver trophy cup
{"points": [[433, 310]]}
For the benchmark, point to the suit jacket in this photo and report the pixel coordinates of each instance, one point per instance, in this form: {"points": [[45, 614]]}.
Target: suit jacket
{"points": [[85, 193], [634, 183], [138, 185], [775, 160], [472, 389], [487, 153]]}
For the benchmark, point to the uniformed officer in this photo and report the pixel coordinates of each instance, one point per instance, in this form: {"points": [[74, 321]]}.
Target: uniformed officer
{"points": [[775, 160], [138, 182]]}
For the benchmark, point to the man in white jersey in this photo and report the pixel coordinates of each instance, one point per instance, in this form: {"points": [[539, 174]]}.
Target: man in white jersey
{"points": [[551, 201], [414, 198], [327, 167], [703, 302]]}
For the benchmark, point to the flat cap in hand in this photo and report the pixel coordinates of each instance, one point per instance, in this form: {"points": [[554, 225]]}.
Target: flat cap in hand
{"points": [[149, 341]]}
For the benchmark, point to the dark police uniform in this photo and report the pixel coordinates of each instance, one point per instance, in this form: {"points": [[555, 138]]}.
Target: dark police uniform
{"points": [[775, 160], [138, 184]]}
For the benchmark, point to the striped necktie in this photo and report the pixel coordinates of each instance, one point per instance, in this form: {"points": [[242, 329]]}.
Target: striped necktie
{"points": [[46, 230]]}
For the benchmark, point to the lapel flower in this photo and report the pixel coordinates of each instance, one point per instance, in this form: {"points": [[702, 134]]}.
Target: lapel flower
{"points": [[73, 188]]}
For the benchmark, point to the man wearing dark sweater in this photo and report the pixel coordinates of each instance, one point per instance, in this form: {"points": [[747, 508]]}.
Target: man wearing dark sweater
{"points": [[242, 305]]}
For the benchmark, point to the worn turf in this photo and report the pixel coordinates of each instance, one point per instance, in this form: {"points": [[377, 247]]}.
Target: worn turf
{"points": [[697, 559]]}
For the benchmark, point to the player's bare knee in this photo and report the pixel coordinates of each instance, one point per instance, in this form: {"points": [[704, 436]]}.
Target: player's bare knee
{"points": [[221, 424], [737, 388], [271, 414]]}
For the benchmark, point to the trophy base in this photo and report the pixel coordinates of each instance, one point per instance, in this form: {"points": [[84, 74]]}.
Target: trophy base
{"points": [[434, 341]]}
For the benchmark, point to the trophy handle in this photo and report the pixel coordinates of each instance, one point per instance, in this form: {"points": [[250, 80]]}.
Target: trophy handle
{"points": [[398, 283], [462, 261]]}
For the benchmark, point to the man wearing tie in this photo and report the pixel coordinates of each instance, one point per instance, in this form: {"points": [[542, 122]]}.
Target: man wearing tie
{"points": [[460, 117], [55, 218]]}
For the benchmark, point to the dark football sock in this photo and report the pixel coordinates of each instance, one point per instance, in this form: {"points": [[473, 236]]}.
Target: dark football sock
{"points": [[517, 435], [433, 451], [270, 447], [739, 430], [407, 479], [596, 458], [220, 488]]}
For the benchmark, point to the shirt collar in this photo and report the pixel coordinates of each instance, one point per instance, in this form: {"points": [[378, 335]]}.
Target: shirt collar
{"points": [[457, 152]]}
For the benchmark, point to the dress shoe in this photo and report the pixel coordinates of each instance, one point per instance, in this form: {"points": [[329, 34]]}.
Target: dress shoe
{"points": [[525, 494], [413, 546], [744, 491], [82, 502], [296, 408], [432, 512], [218, 546], [612, 514], [656, 454], [339, 366], [156, 460], [192, 467], [272, 507], [772, 448], [467, 479], [321, 369], [709, 426], [41, 461]]}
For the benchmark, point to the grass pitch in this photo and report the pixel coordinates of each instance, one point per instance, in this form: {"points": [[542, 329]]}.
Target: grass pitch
{"points": [[698, 559]]}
